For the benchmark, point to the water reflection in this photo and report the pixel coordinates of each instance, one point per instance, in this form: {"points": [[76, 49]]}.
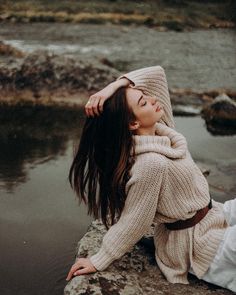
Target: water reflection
{"points": [[18, 154], [32, 135], [40, 220]]}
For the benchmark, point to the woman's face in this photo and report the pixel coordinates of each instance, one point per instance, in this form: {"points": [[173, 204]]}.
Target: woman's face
{"points": [[146, 109]]}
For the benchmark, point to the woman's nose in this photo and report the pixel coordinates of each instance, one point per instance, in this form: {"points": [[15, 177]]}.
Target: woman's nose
{"points": [[153, 100]]}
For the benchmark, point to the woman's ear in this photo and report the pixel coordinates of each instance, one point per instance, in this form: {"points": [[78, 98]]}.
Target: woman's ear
{"points": [[134, 125]]}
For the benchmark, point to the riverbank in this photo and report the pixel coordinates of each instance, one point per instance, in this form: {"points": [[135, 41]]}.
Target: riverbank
{"points": [[44, 76], [163, 15]]}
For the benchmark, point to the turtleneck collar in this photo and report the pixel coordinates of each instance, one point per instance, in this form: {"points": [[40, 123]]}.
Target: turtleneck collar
{"points": [[167, 142]]}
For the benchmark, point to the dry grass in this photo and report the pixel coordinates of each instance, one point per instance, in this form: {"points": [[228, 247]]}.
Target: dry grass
{"points": [[150, 12]]}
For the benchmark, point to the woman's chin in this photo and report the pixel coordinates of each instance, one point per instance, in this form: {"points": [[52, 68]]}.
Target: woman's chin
{"points": [[160, 115]]}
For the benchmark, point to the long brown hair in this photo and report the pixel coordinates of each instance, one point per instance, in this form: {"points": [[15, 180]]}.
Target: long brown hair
{"points": [[100, 169]]}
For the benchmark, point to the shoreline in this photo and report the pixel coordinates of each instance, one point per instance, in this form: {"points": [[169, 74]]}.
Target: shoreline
{"points": [[163, 16]]}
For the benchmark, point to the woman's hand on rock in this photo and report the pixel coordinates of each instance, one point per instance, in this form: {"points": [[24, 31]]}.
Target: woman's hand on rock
{"points": [[81, 266]]}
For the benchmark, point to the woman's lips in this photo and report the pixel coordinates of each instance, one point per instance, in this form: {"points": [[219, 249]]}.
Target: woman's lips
{"points": [[158, 108]]}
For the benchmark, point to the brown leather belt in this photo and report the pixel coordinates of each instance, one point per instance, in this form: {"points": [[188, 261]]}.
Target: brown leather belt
{"points": [[183, 224]]}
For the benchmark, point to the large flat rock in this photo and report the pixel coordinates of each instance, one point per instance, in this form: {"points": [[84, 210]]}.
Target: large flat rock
{"points": [[135, 273]]}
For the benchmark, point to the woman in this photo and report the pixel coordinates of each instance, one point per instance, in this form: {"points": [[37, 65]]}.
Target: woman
{"points": [[133, 169]]}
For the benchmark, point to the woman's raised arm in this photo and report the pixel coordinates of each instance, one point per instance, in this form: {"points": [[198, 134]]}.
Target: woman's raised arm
{"points": [[146, 79], [95, 103], [152, 81]]}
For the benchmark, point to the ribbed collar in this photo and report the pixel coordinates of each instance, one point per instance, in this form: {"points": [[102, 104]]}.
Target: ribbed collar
{"points": [[167, 142]]}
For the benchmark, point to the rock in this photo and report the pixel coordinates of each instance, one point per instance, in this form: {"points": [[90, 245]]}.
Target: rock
{"points": [[186, 102], [8, 50], [184, 97], [135, 273], [221, 113], [41, 70]]}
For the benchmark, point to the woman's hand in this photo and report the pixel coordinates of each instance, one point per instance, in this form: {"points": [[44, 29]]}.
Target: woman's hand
{"points": [[81, 266], [94, 106]]}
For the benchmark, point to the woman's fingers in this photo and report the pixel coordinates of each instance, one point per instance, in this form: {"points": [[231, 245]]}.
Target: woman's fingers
{"points": [[88, 107], [81, 266], [94, 106], [82, 271], [76, 272], [74, 268], [70, 274], [100, 105]]}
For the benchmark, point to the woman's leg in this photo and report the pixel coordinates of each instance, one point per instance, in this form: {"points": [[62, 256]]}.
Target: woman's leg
{"points": [[222, 271]]}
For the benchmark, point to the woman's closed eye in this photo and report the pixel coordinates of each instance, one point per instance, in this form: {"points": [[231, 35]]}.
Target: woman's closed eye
{"points": [[144, 103]]}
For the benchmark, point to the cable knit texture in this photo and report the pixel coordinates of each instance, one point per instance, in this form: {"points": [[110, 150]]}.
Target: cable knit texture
{"points": [[165, 186]]}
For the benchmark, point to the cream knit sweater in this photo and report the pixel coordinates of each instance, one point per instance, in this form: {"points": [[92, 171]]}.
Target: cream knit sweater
{"points": [[165, 185]]}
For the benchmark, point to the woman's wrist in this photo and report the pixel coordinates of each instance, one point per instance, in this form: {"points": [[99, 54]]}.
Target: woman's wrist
{"points": [[122, 82]]}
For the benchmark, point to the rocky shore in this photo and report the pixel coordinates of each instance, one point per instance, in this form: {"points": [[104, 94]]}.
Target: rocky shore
{"points": [[220, 115], [136, 273], [43, 78]]}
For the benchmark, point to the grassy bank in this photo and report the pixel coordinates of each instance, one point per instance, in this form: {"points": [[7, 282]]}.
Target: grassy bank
{"points": [[171, 14]]}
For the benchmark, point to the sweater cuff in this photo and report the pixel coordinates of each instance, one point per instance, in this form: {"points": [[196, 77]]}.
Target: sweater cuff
{"points": [[145, 75], [136, 79], [126, 76], [101, 260]]}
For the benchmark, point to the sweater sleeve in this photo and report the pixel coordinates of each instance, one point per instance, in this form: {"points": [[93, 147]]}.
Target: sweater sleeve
{"points": [[152, 81], [143, 190]]}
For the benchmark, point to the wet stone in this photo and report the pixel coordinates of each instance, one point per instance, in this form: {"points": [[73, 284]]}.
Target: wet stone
{"points": [[220, 115]]}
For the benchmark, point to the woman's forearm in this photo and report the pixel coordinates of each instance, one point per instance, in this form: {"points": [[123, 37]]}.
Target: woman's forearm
{"points": [[123, 82]]}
